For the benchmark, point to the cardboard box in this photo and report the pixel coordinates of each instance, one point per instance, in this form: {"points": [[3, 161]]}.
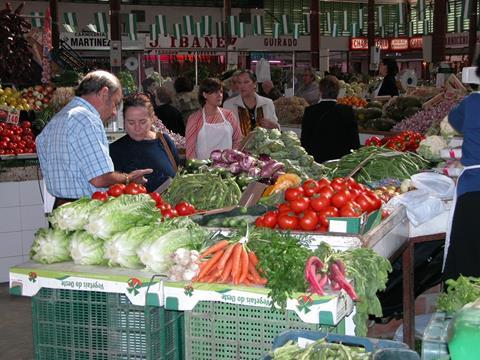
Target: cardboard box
{"points": [[355, 225]]}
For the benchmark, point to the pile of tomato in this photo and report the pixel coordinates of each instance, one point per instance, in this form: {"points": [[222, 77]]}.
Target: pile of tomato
{"points": [[309, 206], [17, 139], [183, 208], [405, 141]]}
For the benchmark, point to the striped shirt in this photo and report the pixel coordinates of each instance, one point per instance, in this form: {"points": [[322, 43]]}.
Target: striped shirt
{"points": [[73, 149], [195, 123]]}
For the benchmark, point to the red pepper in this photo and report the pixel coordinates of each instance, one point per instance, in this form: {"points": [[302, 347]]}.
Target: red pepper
{"points": [[373, 141], [313, 265], [337, 276]]}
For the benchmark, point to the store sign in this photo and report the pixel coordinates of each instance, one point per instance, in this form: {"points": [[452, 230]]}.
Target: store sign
{"points": [[9, 115], [86, 41], [189, 42], [393, 44]]}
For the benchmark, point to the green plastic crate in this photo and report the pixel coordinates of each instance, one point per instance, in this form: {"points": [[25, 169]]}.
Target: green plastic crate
{"points": [[78, 325], [217, 330]]}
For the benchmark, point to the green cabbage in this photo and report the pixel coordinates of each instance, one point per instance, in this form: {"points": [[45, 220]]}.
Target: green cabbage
{"points": [[121, 249], [50, 246], [85, 249], [120, 214], [73, 216], [430, 147]]}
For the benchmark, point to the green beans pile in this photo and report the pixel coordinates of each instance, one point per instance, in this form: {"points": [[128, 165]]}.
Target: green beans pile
{"points": [[384, 164], [204, 191], [320, 349]]}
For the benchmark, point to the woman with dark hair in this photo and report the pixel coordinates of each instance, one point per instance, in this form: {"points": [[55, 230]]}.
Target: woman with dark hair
{"points": [[211, 128], [142, 147], [169, 115], [329, 130], [462, 248], [184, 99], [388, 69], [250, 108]]}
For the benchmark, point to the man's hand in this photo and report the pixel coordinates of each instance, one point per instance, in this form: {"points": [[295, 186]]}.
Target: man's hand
{"points": [[138, 176], [268, 123]]}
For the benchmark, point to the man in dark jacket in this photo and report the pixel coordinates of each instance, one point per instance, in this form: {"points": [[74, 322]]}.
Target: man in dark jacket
{"points": [[329, 130]]}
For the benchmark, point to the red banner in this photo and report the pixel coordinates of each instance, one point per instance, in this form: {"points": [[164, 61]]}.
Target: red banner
{"points": [[392, 44]]}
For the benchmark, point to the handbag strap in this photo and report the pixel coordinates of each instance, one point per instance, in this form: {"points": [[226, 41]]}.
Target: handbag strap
{"points": [[167, 150]]}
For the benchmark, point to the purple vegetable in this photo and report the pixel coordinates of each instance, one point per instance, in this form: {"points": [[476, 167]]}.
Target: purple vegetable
{"points": [[264, 157], [254, 172], [277, 175], [216, 155], [231, 156], [220, 165], [270, 168], [247, 162], [235, 168]]}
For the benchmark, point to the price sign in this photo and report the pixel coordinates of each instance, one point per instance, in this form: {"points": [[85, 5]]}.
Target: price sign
{"points": [[13, 117]]}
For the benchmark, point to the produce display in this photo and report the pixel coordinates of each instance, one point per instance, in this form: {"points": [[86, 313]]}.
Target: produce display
{"points": [[284, 147], [205, 191], [320, 349], [17, 139], [405, 141], [431, 146], [38, 97], [290, 110], [378, 163], [459, 292], [12, 98], [128, 84], [353, 88], [309, 206], [354, 101]]}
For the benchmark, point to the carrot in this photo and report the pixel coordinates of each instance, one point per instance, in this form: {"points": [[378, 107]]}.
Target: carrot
{"points": [[244, 266], [236, 258], [226, 255], [253, 258], [214, 248], [226, 271], [256, 276], [210, 264]]}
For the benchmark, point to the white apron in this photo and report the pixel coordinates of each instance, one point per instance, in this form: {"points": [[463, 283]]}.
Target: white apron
{"points": [[213, 137], [450, 217]]}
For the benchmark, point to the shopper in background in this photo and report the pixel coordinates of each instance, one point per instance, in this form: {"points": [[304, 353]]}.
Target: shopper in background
{"points": [[270, 91], [462, 248], [329, 130], [250, 108], [170, 116], [142, 147], [389, 70], [73, 147], [185, 100], [211, 128], [309, 88], [149, 87]]}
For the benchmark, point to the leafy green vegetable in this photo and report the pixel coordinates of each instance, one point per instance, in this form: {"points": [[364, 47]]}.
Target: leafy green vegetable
{"points": [[120, 214], [73, 216], [459, 293], [121, 249], [282, 257], [50, 246], [85, 249]]}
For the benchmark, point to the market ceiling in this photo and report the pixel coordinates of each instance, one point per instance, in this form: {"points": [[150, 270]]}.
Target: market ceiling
{"points": [[199, 3]]}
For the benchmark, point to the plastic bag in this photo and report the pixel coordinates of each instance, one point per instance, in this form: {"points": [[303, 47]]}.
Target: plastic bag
{"points": [[437, 185], [420, 204], [262, 70]]}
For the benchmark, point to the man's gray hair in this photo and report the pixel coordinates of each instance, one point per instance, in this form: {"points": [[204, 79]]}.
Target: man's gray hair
{"points": [[94, 81]]}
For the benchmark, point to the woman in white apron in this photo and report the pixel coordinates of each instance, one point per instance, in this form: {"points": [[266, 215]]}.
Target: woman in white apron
{"points": [[211, 128], [462, 245]]}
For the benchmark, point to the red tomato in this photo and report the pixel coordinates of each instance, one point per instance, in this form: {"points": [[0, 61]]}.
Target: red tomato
{"points": [[364, 202], [270, 219], [300, 204], [338, 184], [350, 210], [259, 222], [385, 214], [323, 215], [287, 222], [164, 206], [157, 197], [100, 195], [169, 213], [26, 124], [340, 198], [319, 203], [354, 192], [116, 190], [309, 221], [323, 182], [310, 187], [375, 200], [184, 208], [132, 189], [3, 144], [293, 193], [349, 181], [326, 191], [284, 208]]}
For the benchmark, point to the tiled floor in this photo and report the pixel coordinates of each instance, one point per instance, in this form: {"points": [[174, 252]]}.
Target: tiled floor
{"points": [[16, 341]]}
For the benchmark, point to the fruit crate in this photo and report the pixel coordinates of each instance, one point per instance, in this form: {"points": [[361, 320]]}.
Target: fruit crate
{"points": [[89, 325], [218, 330]]}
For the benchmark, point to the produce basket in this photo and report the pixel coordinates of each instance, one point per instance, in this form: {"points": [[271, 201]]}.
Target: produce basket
{"points": [[369, 344], [73, 324], [216, 330]]}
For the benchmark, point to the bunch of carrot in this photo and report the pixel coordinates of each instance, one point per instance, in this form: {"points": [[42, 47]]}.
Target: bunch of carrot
{"points": [[229, 262]]}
